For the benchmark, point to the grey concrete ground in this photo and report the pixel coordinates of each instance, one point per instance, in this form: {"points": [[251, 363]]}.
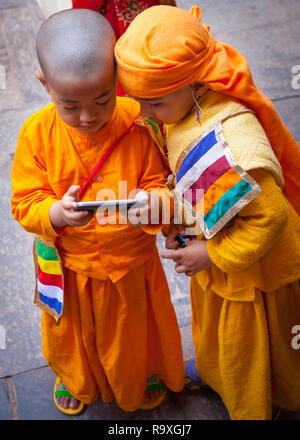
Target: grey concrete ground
{"points": [[267, 32]]}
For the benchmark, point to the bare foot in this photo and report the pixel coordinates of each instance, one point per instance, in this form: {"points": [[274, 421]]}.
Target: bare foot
{"points": [[66, 402], [151, 395]]}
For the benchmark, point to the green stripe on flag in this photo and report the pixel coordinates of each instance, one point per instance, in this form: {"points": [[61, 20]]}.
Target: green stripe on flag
{"points": [[45, 252], [227, 201]]}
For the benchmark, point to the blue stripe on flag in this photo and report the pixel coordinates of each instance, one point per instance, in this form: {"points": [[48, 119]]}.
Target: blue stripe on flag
{"points": [[226, 202], [51, 302], [194, 155]]}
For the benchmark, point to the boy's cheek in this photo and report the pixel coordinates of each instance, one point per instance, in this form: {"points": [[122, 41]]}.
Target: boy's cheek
{"points": [[67, 118]]}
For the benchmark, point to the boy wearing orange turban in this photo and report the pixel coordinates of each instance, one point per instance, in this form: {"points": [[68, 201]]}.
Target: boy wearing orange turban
{"points": [[108, 324], [237, 169]]}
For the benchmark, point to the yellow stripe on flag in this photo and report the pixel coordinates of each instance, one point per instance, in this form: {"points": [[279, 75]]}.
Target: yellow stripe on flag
{"points": [[48, 266]]}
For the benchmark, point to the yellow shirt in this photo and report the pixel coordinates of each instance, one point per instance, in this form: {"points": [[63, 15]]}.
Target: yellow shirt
{"points": [[51, 156], [246, 137]]}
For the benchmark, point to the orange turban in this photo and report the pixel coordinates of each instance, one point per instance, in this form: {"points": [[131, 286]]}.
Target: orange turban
{"points": [[166, 48]]}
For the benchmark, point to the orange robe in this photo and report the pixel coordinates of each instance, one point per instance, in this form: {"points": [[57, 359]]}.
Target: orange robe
{"points": [[118, 325]]}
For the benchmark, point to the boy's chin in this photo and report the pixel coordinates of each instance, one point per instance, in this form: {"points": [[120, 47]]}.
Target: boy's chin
{"points": [[90, 129]]}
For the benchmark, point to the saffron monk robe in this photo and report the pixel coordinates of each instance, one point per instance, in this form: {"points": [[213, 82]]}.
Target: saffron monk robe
{"points": [[108, 324], [225, 139]]}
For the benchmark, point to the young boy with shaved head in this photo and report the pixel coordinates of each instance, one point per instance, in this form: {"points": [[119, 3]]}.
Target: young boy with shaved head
{"points": [[108, 324]]}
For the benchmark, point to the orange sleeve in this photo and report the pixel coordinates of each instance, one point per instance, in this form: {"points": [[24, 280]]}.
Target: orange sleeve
{"points": [[32, 195], [153, 179]]}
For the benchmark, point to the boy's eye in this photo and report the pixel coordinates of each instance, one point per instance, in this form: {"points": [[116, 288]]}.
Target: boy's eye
{"points": [[156, 104], [103, 102], [70, 109]]}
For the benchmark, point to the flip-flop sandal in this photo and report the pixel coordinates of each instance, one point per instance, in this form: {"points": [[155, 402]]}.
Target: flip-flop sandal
{"points": [[192, 379], [60, 390], [154, 383]]}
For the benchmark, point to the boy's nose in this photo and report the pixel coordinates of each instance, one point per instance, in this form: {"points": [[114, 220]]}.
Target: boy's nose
{"points": [[88, 115]]}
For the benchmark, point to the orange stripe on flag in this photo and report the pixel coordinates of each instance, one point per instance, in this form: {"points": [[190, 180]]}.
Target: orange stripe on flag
{"points": [[216, 191]]}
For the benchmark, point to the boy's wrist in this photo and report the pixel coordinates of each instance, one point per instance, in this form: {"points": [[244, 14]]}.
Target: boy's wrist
{"points": [[55, 215]]}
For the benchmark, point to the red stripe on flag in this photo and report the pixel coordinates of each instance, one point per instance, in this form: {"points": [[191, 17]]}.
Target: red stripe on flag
{"points": [[206, 180], [49, 279]]}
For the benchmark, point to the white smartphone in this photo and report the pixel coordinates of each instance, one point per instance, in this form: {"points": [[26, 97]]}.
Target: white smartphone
{"points": [[92, 206]]}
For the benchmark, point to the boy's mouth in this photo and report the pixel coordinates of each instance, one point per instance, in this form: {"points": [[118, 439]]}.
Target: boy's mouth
{"points": [[89, 126]]}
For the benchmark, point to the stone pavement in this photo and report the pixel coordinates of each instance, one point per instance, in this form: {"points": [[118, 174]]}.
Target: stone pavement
{"points": [[267, 32]]}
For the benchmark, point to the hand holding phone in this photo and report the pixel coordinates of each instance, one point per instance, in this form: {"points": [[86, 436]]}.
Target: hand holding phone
{"points": [[63, 212]]}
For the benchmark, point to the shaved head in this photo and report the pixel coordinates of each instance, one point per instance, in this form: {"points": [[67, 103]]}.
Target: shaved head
{"points": [[75, 44]]}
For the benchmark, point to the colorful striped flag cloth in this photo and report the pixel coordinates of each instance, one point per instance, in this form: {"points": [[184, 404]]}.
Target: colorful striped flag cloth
{"points": [[49, 278], [209, 180]]}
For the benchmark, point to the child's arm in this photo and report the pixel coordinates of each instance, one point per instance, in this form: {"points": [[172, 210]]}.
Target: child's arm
{"points": [[33, 197], [249, 236], [254, 231]]}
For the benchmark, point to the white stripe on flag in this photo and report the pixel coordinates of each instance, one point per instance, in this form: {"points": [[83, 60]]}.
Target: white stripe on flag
{"points": [[51, 291], [193, 174]]}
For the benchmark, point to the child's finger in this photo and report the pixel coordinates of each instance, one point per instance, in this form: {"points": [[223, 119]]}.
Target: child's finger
{"points": [[190, 273], [134, 212], [171, 243], [181, 230], [73, 191], [90, 214], [142, 195], [80, 218], [181, 268], [175, 255], [139, 216], [142, 211], [68, 204], [78, 215]]}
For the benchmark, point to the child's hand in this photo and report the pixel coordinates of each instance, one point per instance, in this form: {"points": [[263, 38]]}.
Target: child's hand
{"points": [[148, 214], [62, 212], [174, 230], [191, 259]]}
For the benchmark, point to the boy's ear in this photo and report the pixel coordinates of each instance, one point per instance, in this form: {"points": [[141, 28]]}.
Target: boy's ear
{"points": [[40, 76]]}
